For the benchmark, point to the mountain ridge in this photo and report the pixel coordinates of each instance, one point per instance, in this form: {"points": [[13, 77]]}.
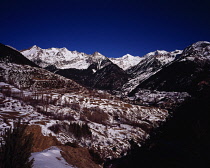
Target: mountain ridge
{"points": [[125, 62]]}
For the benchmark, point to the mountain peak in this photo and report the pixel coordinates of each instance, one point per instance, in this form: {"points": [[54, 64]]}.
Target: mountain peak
{"points": [[31, 49], [201, 44], [157, 52], [97, 53], [34, 47], [198, 46], [126, 61], [199, 50], [161, 52], [127, 55]]}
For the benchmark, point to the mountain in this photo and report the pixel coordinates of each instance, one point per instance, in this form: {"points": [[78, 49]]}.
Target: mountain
{"points": [[127, 61], [95, 71], [83, 68], [110, 77], [189, 73], [62, 58], [150, 64], [153, 61]]}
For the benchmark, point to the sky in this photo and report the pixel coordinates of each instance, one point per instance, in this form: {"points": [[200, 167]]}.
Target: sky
{"points": [[111, 27]]}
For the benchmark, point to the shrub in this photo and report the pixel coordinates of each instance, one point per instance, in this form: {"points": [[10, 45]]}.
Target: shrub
{"points": [[75, 106], [95, 114], [78, 130], [72, 144], [96, 157], [15, 148]]}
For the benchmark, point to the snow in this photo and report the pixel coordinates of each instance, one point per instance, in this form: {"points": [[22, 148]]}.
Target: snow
{"points": [[62, 58], [50, 158], [3, 84], [149, 65], [197, 51], [199, 43], [126, 61]]}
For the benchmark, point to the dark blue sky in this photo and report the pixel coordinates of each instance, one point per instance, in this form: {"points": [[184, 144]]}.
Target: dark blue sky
{"points": [[112, 27]]}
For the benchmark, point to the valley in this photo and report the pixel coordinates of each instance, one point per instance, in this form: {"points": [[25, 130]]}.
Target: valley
{"points": [[98, 105]]}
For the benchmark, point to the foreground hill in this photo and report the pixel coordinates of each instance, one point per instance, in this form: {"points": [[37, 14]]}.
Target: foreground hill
{"points": [[9, 54]]}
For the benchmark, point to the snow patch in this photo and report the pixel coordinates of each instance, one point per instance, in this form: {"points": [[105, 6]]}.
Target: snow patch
{"points": [[50, 158]]}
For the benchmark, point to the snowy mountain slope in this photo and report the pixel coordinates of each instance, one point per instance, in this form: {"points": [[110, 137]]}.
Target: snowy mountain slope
{"points": [[197, 51], [153, 61], [127, 61], [150, 64], [62, 58], [189, 73]]}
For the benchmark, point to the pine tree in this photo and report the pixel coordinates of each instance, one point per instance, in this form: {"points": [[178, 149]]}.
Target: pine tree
{"points": [[15, 148]]}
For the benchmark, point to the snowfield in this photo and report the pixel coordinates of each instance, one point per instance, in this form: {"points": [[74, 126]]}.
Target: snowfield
{"points": [[49, 158], [126, 61]]}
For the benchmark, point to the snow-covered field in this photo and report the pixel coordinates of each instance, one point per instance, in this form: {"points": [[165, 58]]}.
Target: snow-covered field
{"points": [[49, 158]]}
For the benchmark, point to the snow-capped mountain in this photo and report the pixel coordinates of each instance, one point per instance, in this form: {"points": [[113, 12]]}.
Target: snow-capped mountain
{"points": [[62, 58], [95, 71], [153, 61], [127, 61], [197, 51], [82, 67], [190, 72], [149, 64]]}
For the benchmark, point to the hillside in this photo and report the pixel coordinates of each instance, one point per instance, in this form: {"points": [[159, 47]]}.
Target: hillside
{"points": [[10, 55], [189, 73]]}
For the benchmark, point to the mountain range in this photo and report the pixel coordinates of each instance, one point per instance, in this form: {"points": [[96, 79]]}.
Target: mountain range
{"points": [[109, 106], [89, 70]]}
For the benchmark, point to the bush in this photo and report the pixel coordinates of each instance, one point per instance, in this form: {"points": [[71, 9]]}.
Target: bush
{"points": [[95, 114], [78, 130], [96, 157], [72, 144], [15, 148]]}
